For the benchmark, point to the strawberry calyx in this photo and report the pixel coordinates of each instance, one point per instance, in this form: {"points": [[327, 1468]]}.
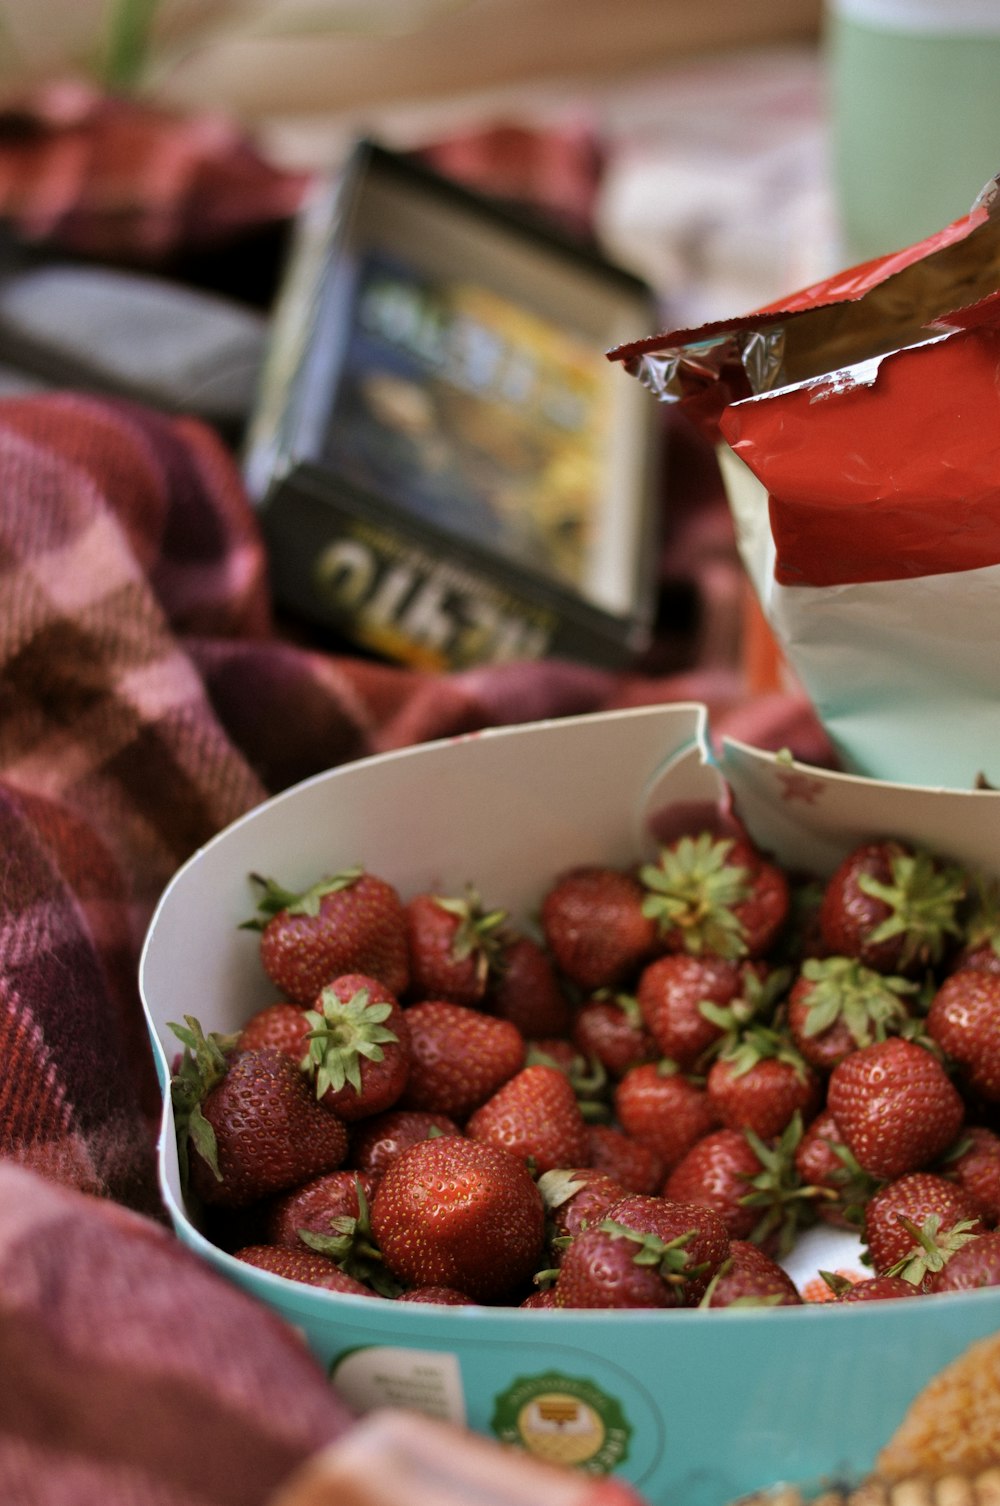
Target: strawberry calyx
{"points": [[923, 899], [853, 1187], [202, 1065], [870, 1004], [480, 933], [788, 1203], [275, 899], [670, 1257], [587, 1077], [754, 1005], [693, 890], [932, 1247], [351, 1245], [557, 1186], [761, 1043], [341, 1032]]}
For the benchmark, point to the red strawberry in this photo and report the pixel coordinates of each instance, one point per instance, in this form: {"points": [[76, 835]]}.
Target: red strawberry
{"points": [[962, 1020], [303, 1265], [670, 994], [717, 1172], [526, 991], [358, 1047], [638, 1166], [877, 1289], [315, 1205], [544, 1297], [282, 1025], [248, 1124], [975, 1165], [459, 1058], [913, 1224], [823, 1161], [895, 1106], [350, 923], [574, 1199], [661, 1107], [594, 926], [761, 1083], [836, 1005], [976, 1264], [609, 1027], [535, 1116], [750, 1278], [377, 1141], [645, 1252], [439, 1296], [715, 895], [454, 945], [458, 1212], [894, 908]]}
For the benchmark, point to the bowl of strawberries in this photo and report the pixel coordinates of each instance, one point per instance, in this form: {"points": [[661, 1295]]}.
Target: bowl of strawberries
{"points": [[633, 1104]]}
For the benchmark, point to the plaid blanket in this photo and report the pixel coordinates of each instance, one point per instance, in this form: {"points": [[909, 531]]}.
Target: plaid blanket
{"points": [[148, 698]]}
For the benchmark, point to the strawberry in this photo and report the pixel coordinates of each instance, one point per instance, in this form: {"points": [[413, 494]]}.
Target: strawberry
{"points": [[894, 908], [314, 1205], [439, 1296], [303, 1265], [637, 1165], [750, 1278], [895, 1106], [358, 1047], [760, 1083], [454, 946], [715, 895], [876, 1289], [526, 991], [976, 1264], [645, 1252], [974, 1163], [836, 1005], [544, 1297], [962, 1019], [352, 922], [282, 1025], [594, 926], [459, 1058], [670, 993], [248, 1123], [457, 1212], [823, 1161], [915, 1223], [717, 1172], [535, 1116], [609, 1027], [378, 1140], [663, 1108], [574, 1199]]}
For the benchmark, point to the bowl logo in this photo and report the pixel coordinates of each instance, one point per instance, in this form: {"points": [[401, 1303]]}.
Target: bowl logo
{"points": [[563, 1419]]}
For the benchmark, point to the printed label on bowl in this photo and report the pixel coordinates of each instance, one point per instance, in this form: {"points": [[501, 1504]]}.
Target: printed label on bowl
{"points": [[564, 1419], [421, 1380]]}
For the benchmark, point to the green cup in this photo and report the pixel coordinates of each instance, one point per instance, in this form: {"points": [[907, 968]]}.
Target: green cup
{"points": [[914, 99]]}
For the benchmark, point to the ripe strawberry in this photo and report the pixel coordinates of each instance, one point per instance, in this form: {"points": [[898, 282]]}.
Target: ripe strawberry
{"points": [[715, 895], [248, 1124], [315, 1205], [962, 1019], [836, 1005], [750, 1278], [717, 1172], [823, 1161], [594, 926], [378, 1140], [350, 923], [761, 1083], [543, 1297], [439, 1296], [645, 1252], [454, 946], [535, 1116], [976, 1264], [670, 993], [303, 1265], [575, 1198], [661, 1107], [894, 908], [458, 1212], [282, 1025], [638, 1166], [609, 1027], [459, 1058], [915, 1223], [895, 1106], [358, 1048], [877, 1289], [526, 991], [975, 1165]]}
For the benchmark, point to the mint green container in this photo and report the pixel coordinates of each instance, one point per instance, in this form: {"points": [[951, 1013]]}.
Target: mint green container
{"points": [[914, 108]]}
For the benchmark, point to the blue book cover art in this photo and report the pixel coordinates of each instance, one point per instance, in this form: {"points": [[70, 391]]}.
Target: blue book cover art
{"points": [[473, 413]]}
